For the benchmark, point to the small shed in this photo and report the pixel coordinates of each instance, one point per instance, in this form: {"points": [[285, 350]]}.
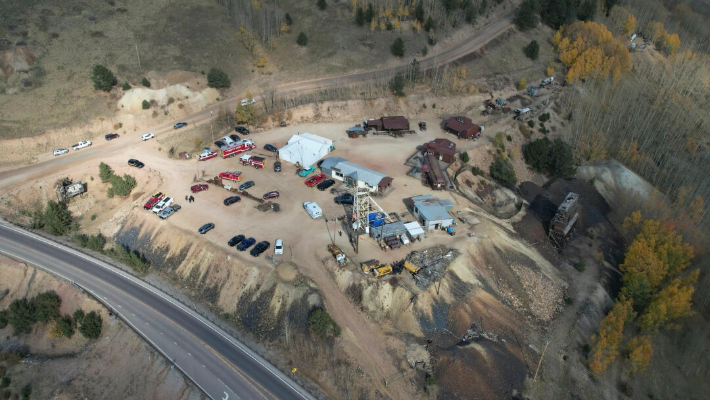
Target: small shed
{"points": [[414, 229], [463, 127], [388, 230]]}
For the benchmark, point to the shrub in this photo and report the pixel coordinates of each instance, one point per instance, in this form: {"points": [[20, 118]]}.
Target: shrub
{"points": [[103, 78], [522, 84], [302, 39], [463, 156], [66, 326], [21, 315], [81, 240], [580, 265], [360, 16], [3, 319], [322, 325], [544, 117], [218, 79], [476, 171], [129, 257], [429, 24], [26, 391], [78, 316], [96, 243], [145, 104], [121, 186], [502, 171], [93, 217], [430, 380], [5, 382], [470, 12], [126, 86], [47, 306], [509, 138], [145, 82], [526, 15], [398, 47], [322, 4], [57, 218], [532, 50], [397, 85], [288, 19], [6, 394], [105, 172], [91, 325]]}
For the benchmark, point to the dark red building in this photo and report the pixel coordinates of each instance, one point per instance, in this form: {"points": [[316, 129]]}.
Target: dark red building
{"points": [[463, 128], [443, 149]]}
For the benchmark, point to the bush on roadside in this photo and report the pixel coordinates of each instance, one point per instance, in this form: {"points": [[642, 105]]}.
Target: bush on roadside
{"points": [[21, 315], [322, 325], [302, 39], [218, 79], [145, 82], [57, 218], [96, 243], [66, 326], [129, 257], [464, 157], [91, 325], [126, 86], [47, 306], [103, 78]]}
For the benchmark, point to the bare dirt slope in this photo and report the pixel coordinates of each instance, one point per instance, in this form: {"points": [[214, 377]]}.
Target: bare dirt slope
{"points": [[118, 365]]}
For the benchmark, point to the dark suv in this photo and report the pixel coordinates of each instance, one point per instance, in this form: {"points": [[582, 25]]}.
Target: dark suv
{"points": [[242, 130], [246, 243], [277, 166], [259, 248], [111, 136], [326, 184], [135, 163], [235, 240], [346, 198]]}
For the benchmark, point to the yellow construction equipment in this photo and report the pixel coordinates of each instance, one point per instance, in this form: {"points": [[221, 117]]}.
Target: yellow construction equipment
{"points": [[411, 267], [367, 266], [382, 271], [337, 253]]}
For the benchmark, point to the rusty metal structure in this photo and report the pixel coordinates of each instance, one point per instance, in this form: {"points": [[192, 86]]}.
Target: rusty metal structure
{"points": [[562, 226], [66, 189]]}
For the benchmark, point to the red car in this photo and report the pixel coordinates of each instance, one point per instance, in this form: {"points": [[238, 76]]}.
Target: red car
{"points": [[235, 176], [199, 188], [154, 199], [271, 195], [315, 179]]}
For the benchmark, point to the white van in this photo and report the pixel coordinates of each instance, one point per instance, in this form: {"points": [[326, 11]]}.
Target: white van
{"points": [[521, 111], [227, 140], [279, 247], [313, 210]]}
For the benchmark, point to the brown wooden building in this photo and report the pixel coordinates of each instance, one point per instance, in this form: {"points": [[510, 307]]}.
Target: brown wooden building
{"points": [[443, 149], [463, 128], [397, 123], [434, 173]]}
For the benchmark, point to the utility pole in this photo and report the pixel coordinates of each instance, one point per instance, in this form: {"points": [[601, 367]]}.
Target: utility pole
{"points": [[139, 57], [328, 228], [212, 130]]}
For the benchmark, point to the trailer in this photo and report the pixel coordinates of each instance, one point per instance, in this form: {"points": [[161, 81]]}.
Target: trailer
{"points": [[397, 126], [237, 147]]}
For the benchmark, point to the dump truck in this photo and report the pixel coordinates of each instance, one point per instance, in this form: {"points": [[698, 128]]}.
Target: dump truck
{"points": [[382, 271], [337, 253], [367, 266], [411, 267]]}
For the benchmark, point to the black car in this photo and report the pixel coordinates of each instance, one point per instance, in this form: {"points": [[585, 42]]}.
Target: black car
{"points": [[242, 130], [179, 125], [234, 137], [135, 163], [235, 240], [246, 243], [346, 198], [206, 228], [259, 248], [326, 184], [231, 200], [111, 136], [219, 143], [319, 163], [271, 148], [246, 185], [277, 166]]}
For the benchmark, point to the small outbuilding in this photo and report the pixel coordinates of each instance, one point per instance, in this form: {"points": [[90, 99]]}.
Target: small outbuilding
{"points": [[397, 123], [305, 149], [463, 127], [431, 212]]}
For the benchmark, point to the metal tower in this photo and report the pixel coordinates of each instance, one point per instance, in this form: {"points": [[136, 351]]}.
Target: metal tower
{"points": [[562, 225], [363, 206]]}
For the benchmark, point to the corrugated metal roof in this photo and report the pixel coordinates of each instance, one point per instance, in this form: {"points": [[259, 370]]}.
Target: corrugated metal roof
{"points": [[414, 229], [432, 208], [355, 172]]}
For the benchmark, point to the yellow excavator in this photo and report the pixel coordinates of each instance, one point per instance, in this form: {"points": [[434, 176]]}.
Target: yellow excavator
{"points": [[382, 270], [411, 267], [367, 266]]}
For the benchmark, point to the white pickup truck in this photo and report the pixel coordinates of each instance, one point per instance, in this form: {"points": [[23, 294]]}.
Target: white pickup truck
{"points": [[81, 145]]}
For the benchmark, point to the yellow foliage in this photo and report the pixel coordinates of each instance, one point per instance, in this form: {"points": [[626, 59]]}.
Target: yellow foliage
{"points": [[630, 24], [630, 153], [259, 61], [373, 25], [655, 31], [550, 71], [471, 89], [639, 352], [590, 50], [595, 148], [522, 84], [670, 43], [416, 25], [284, 27], [672, 302], [462, 73], [256, 4], [395, 24], [382, 25], [611, 331], [53, 330]]}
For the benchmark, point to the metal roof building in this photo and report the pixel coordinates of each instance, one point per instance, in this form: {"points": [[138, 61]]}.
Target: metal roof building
{"points": [[355, 175], [433, 213]]}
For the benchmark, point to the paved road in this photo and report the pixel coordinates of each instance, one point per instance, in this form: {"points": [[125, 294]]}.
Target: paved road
{"points": [[474, 43], [222, 367]]}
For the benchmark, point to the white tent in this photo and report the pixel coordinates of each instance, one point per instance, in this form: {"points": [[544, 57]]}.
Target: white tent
{"points": [[306, 149]]}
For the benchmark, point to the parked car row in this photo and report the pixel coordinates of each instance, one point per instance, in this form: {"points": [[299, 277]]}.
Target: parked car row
{"points": [[161, 205], [243, 243]]}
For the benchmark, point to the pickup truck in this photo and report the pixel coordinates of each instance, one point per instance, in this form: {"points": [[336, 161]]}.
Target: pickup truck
{"points": [[315, 179], [234, 176], [154, 199], [81, 145]]}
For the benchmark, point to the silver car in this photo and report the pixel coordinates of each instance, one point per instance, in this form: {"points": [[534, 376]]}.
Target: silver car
{"points": [[58, 152]]}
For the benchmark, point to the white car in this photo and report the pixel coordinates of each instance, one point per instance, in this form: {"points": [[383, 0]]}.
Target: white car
{"points": [[163, 204], [147, 136], [279, 247], [81, 145], [58, 152], [248, 101]]}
